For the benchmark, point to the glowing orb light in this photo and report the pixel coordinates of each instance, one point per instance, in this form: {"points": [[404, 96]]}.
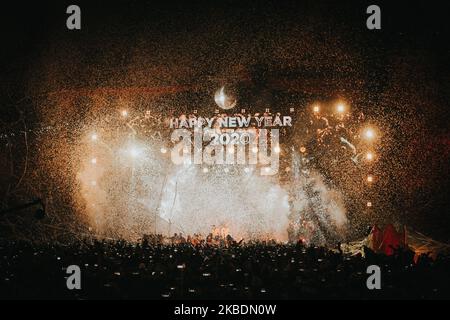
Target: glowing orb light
{"points": [[134, 152], [316, 108], [369, 133], [223, 100], [369, 204], [340, 108], [369, 156], [369, 178], [277, 149]]}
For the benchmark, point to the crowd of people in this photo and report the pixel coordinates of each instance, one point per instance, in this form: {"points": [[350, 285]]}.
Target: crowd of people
{"points": [[212, 239], [217, 268]]}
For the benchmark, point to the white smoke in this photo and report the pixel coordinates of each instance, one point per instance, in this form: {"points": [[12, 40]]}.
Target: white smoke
{"points": [[143, 193], [245, 203], [319, 209]]}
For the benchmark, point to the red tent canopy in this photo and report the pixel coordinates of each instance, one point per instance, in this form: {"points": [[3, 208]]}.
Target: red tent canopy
{"points": [[385, 241]]}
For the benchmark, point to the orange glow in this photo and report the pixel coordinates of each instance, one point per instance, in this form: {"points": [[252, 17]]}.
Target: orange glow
{"points": [[340, 108], [369, 156]]}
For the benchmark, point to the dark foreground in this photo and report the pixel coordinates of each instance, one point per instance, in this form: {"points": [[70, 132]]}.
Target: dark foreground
{"points": [[120, 270]]}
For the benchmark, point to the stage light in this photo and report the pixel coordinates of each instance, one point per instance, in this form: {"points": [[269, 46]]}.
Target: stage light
{"points": [[134, 151], [369, 204], [163, 150], [369, 178], [340, 108], [277, 149], [369, 133], [94, 160], [255, 149], [302, 149], [369, 156], [316, 108], [124, 113]]}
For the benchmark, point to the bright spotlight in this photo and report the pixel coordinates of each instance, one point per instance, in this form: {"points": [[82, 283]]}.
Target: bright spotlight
{"points": [[369, 156], [134, 152], [124, 113], [267, 169], [255, 149], [340, 108], [369, 178], [369, 204], [369, 133], [316, 108], [302, 149], [277, 149]]}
